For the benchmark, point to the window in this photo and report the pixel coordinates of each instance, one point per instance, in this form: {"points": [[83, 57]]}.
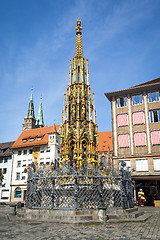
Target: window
{"points": [[19, 152], [1, 160], [18, 163], [123, 140], [23, 177], [137, 99], [47, 163], [24, 152], [156, 163], [122, 120], [138, 118], [17, 193], [42, 150], [51, 137], [122, 102], [5, 194], [48, 149], [18, 176], [4, 170], [128, 163], [24, 140], [153, 96], [39, 138], [30, 151], [155, 116], [142, 165], [155, 135], [24, 163], [5, 160], [140, 139], [32, 139]]}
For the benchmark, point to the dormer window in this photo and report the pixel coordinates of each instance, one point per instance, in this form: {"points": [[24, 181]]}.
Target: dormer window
{"points": [[39, 138], [24, 140], [31, 139]]}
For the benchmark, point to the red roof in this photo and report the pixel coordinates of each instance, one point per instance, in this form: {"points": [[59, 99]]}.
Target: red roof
{"points": [[105, 142], [24, 140]]}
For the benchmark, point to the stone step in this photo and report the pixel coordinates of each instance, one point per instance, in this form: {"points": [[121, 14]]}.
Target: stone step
{"points": [[125, 216], [57, 217], [58, 220], [121, 211], [63, 212], [141, 218]]}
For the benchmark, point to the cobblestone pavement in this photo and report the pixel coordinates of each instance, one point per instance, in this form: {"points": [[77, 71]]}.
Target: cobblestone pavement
{"points": [[51, 231]]}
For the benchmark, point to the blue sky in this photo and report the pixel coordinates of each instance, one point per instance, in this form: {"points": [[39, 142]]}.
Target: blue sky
{"points": [[120, 38]]}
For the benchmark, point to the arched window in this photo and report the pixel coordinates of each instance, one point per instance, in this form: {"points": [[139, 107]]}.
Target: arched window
{"points": [[18, 192]]}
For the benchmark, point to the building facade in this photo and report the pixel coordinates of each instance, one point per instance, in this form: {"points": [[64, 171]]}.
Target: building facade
{"points": [[79, 130], [41, 146], [136, 134], [6, 168]]}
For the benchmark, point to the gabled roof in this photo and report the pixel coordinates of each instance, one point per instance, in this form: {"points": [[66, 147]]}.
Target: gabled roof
{"points": [[34, 137], [105, 142], [5, 149], [152, 85]]}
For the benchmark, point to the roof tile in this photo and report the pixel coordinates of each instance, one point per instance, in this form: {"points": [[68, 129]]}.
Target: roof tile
{"points": [[105, 141]]}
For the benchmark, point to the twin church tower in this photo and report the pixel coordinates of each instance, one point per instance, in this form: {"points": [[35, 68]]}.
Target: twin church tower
{"points": [[30, 121], [78, 130]]}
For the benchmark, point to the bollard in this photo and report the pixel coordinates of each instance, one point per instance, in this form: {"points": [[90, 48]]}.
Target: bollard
{"points": [[13, 209]]}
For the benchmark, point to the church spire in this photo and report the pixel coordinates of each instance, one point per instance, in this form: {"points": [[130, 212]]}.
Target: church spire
{"points": [[79, 50], [40, 121], [30, 112], [29, 120]]}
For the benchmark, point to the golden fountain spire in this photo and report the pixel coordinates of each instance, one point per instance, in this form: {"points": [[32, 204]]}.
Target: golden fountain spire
{"points": [[79, 130], [79, 50]]}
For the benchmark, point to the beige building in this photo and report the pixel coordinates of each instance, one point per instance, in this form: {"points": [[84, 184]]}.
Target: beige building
{"points": [[136, 134]]}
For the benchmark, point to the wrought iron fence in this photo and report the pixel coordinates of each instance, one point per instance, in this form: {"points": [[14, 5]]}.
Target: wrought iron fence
{"points": [[72, 189]]}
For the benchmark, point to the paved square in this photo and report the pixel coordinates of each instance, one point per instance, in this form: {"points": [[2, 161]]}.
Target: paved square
{"points": [[51, 231]]}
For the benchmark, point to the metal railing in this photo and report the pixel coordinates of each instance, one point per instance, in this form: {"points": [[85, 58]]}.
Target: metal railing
{"points": [[73, 189]]}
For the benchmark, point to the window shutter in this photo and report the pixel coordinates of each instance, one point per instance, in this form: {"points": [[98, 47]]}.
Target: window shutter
{"points": [[122, 120], [140, 139], [138, 118], [123, 140], [155, 137]]}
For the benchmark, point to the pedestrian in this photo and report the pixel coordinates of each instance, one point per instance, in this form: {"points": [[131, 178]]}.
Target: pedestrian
{"points": [[141, 198]]}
